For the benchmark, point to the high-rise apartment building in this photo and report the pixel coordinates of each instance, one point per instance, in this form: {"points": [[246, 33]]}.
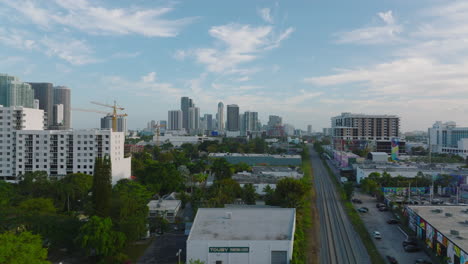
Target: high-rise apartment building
{"points": [[62, 95], [13, 92], [57, 115], [274, 121], [220, 116], [309, 130], [208, 118], [359, 131], [44, 92], [106, 123], [448, 138], [233, 122], [249, 122], [194, 120], [185, 104], [174, 119], [26, 147]]}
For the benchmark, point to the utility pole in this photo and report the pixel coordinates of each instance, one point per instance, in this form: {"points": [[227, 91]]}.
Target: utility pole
{"points": [[178, 255]]}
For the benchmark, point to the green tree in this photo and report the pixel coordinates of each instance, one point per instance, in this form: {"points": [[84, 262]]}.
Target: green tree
{"points": [[129, 208], [98, 238], [196, 261], [6, 193], [161, 177], [242, 166], [348, 188], [74, 190], [221, 168], [248, 194], [22, 248], [224, 191], [37, 206], [269, 195], [102, 187], [36, 184], [290, 192]]}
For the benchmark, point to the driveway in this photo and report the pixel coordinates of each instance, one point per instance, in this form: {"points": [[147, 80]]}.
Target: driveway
{"points": [[392, 236], [164, 248]]}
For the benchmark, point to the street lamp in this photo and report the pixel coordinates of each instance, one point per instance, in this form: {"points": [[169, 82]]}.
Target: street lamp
{"points": [[178, 255]]}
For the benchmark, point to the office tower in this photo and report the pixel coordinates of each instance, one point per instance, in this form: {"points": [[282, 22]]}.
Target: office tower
{"points": [[289, 129], [233, 118], [174, 119], [62, 95], [309, 130], [243, 132], [250, 121], [359, 131], [13, 92], [106, 123], [448, 138], [44, 92], [194, 120], [209, 121], [220, 116], [185, 104], [274, 121], [36, 104], [162, 126]]}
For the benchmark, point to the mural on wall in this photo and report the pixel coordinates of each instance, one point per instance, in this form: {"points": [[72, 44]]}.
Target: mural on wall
{"points": [[429, 236], [404, 190], [395, 149]]}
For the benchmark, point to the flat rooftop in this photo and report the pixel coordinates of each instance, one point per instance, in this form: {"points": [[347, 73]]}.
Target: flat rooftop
{"points": [[444, 223], [244, 224], [253, 155]]}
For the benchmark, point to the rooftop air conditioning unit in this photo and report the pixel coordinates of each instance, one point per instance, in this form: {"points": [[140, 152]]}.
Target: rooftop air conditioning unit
{"points": [[454, 232], [448, 214]]}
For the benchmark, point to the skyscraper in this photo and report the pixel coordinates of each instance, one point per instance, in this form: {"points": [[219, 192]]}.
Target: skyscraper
{"points": [[13, 92], [194, 120], [62, 95], [44, 92], [185, 104], [250, 121], [209, 121], [220, 116], [106, 123], [309, 130], [233, 118], [174, 119], [274, 121]]}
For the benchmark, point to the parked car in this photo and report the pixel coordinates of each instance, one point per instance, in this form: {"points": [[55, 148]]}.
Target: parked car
{"points": [[363, 210], [377, 235], [378, 205], [383, 208], [411, 248], [393, 221], [422, 261], [355, 200], [392, 260], [410, 241]]}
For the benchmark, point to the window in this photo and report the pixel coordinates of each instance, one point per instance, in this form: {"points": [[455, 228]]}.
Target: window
{"points": [[219, 262]]}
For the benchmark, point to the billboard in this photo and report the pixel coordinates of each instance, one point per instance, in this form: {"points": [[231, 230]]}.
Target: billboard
{"points": [[395, 149]]}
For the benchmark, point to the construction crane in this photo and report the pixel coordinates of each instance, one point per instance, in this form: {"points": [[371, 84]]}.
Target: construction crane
{"points": [[158, 127], [113, 114]]}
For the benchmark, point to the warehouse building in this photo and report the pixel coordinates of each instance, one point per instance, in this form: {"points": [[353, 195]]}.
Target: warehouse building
{"points": [[444, 230], [260, 159], [242, 235]]}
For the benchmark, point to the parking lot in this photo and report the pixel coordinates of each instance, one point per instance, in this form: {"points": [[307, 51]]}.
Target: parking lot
{"points": [[164, 248], [392, 236]]}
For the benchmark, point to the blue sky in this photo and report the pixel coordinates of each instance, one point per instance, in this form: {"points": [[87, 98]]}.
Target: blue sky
{"points": [[303, 60]]}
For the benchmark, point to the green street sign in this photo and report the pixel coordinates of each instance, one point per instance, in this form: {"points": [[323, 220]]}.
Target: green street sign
{"points": [[229, 249]]}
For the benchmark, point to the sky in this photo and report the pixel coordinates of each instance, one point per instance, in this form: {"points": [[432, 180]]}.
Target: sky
{"points": [[303, 60]]}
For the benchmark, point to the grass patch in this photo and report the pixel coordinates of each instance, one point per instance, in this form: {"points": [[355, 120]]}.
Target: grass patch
{"points": [[356, 220], [135, 251], [303, 215]]}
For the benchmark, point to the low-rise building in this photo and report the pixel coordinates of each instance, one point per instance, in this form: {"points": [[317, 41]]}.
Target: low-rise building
{"points": [[444, 230], [166, 209], [260, 159], [178, 140], [242, 235], [378, 157]]}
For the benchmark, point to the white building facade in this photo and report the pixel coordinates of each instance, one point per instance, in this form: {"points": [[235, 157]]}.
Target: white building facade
{"points": [[242, 235], [26, 147], [448, 138]]}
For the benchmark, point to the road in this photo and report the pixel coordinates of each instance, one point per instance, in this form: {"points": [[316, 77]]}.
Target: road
{"points": [[339, 242]]}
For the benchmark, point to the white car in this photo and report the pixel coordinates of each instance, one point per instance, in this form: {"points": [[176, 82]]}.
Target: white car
{"points": [[377, 235]]}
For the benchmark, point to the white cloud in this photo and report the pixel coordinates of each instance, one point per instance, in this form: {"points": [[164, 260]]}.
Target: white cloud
{"points": [[242, 44], [126, 55], [88, 17], [149, 78], [389, 32], [76, 52], [265, 13]]}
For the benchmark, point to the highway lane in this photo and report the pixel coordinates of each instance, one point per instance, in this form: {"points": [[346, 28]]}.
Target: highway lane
{"points": [[339, 242]]}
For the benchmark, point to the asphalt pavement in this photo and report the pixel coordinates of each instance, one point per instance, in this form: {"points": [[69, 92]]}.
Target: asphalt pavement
{"points": [[339, 243], [392, 235]]}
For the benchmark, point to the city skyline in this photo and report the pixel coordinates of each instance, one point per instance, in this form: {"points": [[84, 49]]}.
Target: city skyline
{"points": [[389, 57]]}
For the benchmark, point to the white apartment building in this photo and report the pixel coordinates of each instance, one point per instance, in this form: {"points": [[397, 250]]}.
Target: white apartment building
{"points": [[26, 147]]}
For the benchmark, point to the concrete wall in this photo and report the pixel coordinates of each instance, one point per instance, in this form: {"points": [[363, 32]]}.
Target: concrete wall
{"points": [[259, 251]]}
